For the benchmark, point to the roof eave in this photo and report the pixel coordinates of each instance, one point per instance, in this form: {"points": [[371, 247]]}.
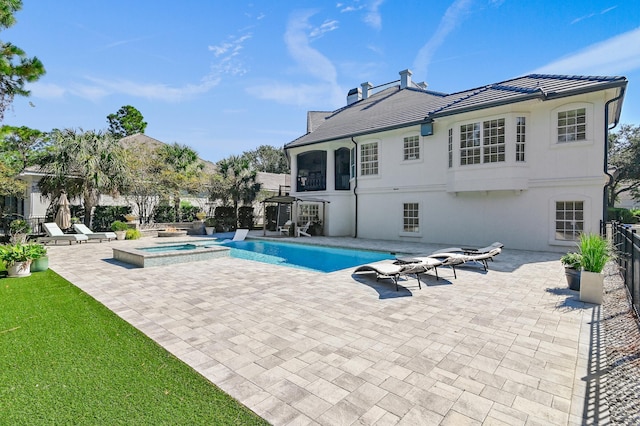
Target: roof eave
{"points": [[362, 133]]}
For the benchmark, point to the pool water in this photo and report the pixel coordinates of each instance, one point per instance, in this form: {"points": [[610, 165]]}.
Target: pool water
{"points": [[315, 258]]}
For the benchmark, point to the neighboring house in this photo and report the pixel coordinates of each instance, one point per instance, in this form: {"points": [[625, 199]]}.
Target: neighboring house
{"points": [[521, 161], [34, 206]]}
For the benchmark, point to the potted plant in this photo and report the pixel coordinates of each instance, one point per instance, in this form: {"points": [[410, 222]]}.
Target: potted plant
{"points": [[18, 230], [595, 252], [40, 260], [572, 262], [120, 229], [17, 259], [210, 224], [201, 215]]}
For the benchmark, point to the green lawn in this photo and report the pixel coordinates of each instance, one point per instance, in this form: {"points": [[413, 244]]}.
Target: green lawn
{"points": [[66, 359]]}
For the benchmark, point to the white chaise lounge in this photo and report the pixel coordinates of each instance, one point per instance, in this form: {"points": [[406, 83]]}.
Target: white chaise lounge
{"points": [[84, 230], [55, 234]]}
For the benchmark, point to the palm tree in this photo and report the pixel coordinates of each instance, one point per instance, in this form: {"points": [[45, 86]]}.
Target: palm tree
{"points": [[84, 164], [235, 183]]}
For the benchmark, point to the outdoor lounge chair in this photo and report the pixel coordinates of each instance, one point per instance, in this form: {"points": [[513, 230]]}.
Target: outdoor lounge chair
{"points": [[239, 235], [55, 234], [443, 259], [460, 258], [303, 230], [284, 229], [394, 270], [471, 251], [84, 230]]}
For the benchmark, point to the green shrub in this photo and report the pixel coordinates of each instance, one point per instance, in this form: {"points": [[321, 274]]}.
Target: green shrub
{"points": [[37, 250], [16, 253], [19, 226], [188, 212], [119, 226], [572, 260], [621, 215], [163, 213], [245, 217], [271, 213], [226, 217], [133, 234], [104, 216], [595, 252]]}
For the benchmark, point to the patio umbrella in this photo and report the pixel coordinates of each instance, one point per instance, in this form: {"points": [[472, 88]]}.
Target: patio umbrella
{"points": [[63, 217]]}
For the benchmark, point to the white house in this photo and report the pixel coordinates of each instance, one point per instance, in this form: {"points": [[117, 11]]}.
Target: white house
{"points": [[522, 161]]}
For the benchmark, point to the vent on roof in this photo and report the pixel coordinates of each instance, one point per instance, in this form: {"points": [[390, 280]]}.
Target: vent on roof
{"points": [[405, 79], [354, 95], [366, 88]]}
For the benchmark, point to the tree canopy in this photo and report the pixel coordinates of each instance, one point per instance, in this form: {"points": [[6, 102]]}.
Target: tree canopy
{"points": [[181, 172], [20, 147], [84, 164], [16, 69], [126, 122], [268, 159], [235, 182], [624, 155]]}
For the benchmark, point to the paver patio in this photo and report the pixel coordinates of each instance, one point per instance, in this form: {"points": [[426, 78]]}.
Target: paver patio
{"points": [[510, 346]]}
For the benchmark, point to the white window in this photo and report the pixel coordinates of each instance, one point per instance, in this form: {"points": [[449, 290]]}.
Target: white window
{"points": [[450, 148], [411, 220], [520, 138], [352, 164], [412, 148], [569, 220], [493, 141], [307, 213], [572, 125], [369, 159], [470, 144]]}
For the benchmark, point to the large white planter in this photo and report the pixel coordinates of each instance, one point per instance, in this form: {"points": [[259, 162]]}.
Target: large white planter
{"points": [[591, 287], [19, 269], [120, 235]]}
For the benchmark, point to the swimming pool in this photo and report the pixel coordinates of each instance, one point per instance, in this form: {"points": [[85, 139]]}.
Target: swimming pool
{"points": [[309, 257], [315, 258]]}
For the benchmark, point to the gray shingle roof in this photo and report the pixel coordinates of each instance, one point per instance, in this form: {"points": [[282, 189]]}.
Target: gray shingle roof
{"points": [[394, 108]]}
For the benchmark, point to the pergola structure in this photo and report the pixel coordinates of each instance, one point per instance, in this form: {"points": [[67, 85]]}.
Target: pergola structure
{"points": [[289, 199]]}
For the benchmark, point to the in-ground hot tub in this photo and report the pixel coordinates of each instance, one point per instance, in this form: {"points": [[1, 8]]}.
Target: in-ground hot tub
{"points": [[169, 254]]}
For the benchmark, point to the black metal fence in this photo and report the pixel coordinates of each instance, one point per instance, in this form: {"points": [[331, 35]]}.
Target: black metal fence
{"points": [[627, 244]]}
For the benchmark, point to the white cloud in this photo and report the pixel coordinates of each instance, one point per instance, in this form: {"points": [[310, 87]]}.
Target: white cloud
{"points": [[591, 15], [615, 56], [308, 58], [452, 17], [302, 95], [327, 26], [233, 46], [373, 17], [310, 62], [227, 54], [46, 90], [161, 92]]}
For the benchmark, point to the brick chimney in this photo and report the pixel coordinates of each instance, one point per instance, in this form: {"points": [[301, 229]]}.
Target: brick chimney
{"points": [[354, 96], [405, 79]]}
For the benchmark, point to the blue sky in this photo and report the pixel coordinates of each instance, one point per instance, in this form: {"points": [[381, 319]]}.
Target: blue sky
{"points": [[227, 77]]}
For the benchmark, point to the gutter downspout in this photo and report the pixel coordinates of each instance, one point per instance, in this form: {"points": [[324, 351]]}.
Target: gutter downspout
{"points": [[355, 187], [607, 128]]}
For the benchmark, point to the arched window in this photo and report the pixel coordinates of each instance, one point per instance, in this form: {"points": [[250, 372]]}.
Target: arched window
{"points": [[342, 157]]}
